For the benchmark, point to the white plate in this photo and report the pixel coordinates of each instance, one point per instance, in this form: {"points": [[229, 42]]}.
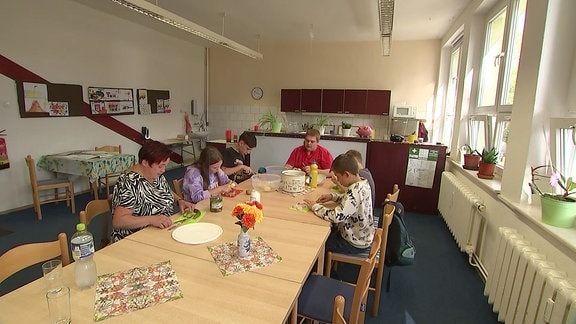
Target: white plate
{"points": [[197, 233]]}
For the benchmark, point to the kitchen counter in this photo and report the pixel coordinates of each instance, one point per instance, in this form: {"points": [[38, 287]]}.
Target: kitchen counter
{"points": [[354, 138]]}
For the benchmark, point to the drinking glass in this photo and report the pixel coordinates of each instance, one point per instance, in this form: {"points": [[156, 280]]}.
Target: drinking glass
{"points": [[59, 305], [52, 271]]}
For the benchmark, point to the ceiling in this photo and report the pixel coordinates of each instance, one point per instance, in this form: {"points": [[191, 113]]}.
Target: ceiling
{"points": [[244, 21]]}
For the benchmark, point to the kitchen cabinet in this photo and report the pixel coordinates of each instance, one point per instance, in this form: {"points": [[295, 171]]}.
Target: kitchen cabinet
{"points": [[311, 100], [332, 101], [388, 163], [290, 100], [355, 101], [378, 102]]}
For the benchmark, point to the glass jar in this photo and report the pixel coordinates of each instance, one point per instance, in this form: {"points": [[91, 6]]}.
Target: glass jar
{"points": [[216, 203]]}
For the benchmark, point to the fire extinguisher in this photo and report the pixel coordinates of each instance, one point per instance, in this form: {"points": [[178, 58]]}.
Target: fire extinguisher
{"points": [[4, 163]]}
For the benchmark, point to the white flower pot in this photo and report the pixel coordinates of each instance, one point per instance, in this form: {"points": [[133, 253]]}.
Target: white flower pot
{"points": [[346, 132]]}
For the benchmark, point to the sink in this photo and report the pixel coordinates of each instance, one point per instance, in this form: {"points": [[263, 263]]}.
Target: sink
{"points": [[199, 135]]}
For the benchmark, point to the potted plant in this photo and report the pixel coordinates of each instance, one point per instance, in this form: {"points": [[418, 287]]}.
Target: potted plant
{"points": [[321, 122], [346, 127], [487, 163], [273, 120], [558, 209], [471, 157]]}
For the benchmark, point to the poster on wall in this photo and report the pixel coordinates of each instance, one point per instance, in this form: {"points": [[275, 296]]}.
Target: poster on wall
{"points": [[111, 101], [35, 97], [421, 167], [4, 162], [153, 101]]}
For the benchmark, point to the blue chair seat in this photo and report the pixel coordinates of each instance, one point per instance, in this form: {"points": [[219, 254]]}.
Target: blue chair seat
{"points": [[318, 294]]}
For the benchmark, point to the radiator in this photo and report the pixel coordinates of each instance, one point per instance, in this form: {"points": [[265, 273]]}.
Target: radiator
{"points": [[462, 211], [524, 287]]}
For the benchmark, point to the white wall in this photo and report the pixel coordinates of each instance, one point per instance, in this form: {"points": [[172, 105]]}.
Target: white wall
{"points": [[67, 42]]}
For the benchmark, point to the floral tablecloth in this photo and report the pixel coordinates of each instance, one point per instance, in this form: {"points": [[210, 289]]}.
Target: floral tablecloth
{"points": [[226, 256], [91, 164], [126, 291]]}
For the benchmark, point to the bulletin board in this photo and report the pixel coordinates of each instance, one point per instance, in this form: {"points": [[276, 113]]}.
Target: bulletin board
{"points": [[111, 101], [153, 101], [37, 99]]}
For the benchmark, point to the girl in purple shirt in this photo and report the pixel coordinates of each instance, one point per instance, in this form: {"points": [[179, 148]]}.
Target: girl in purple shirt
{"points": [[205, 178]]}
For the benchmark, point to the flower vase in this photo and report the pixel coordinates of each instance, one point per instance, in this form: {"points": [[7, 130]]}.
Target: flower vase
{"points": [[346, 132], [559, 213], [243, 245]]}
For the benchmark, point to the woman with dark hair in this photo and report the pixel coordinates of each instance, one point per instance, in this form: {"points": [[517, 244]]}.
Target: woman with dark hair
{"points": [[205, 178], [142, 196]]}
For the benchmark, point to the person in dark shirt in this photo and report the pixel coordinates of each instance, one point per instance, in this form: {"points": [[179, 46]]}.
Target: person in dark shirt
{"points": [[234, 158]]}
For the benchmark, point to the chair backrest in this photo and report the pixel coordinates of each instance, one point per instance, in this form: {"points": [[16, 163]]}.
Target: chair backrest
{"points": [[338, 312], [32, 171], [394, 195], [363, 282], [94, 208], [178, 186], [23, 256], [109, 148]]}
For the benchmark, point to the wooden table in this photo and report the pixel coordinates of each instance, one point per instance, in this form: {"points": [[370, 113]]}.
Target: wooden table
{"points": [[209, 297], [91, 164], [264, 295]]}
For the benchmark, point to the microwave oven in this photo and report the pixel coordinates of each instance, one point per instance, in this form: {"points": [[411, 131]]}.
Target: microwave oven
{"points": [[404, 112]]}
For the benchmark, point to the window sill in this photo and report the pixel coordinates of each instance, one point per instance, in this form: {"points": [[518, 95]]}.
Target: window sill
{"points": [[562, 238]]}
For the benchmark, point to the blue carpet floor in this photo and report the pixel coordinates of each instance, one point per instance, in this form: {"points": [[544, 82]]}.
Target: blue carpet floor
{"points": [[440, 288]]}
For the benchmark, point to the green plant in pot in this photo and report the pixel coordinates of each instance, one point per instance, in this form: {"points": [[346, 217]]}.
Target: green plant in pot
{"points": [[558, 208], [487, 163], [471, 157], [321, 122], [346, 127], [272, 120]]}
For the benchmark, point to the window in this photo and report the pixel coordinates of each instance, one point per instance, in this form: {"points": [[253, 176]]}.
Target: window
{"points": [[501, 137], [480, 131], [501, 56], [451, 93], [563, 138]]}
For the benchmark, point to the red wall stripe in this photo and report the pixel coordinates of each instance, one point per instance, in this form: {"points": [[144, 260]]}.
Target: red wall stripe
{"points": [[17, 72]]}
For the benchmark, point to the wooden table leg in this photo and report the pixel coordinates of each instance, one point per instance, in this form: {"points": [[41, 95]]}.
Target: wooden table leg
{"points": [[95, 188], [294, 313]]}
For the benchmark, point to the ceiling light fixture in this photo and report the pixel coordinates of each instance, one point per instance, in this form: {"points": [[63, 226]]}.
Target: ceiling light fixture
{"points": [[167, 17], [386, 16]]}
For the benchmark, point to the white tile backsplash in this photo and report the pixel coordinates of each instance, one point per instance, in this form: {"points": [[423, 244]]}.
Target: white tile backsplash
{"points": [[239, 118]]}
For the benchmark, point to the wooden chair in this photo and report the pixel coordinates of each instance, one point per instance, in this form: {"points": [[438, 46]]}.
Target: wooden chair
{"points": [[23, 256], [49, 184], [388, 213], [338, 312], [318, 289], [178, 186], [106, 182], [93, 209]]}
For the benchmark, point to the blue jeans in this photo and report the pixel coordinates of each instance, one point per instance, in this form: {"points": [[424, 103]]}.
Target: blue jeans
{"points": [[335, 243]]}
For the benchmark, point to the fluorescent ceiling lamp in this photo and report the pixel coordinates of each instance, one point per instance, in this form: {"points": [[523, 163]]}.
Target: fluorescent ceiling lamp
{"points": [[386, 16], [167, 17]]}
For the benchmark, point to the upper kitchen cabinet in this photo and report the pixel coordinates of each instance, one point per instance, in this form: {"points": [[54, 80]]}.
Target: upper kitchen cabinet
{"points": [[311, 100], [290, 100], [332, 101], [355, 101], [378, 102]]}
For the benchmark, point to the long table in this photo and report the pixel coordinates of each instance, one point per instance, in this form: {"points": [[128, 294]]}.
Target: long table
{"points": [[264, 295], [90, 164]]}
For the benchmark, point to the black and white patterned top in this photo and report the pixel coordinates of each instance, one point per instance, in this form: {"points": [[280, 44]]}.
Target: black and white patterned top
{"points": [[144, 198], [353, 214]]}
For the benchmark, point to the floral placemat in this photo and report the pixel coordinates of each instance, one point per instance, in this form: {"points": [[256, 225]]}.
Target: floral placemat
{"points": [[295, 194], [126, 291], [226, 256]]}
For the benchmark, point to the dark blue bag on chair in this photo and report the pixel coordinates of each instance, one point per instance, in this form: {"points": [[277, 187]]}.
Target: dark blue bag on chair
{"points": [[399, 247]]}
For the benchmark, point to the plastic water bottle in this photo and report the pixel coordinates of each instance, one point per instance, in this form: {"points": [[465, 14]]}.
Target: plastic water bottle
{"points": [[82, 245], [313, 175]]}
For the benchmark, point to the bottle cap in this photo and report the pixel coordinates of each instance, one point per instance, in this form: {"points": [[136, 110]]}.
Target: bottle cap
{"points": [[80, 227]]}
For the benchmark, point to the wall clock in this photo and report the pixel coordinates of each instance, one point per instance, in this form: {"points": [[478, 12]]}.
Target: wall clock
{"points": [[257, 93]]}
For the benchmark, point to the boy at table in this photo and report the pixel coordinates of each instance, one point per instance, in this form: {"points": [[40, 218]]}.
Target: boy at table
{"points": [[303, 156], [353, 224], [234, 158]]}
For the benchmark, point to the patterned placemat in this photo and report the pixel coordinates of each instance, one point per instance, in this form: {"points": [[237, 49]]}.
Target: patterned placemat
{"points": [[226, 256], [295, 194], [126, 291]]}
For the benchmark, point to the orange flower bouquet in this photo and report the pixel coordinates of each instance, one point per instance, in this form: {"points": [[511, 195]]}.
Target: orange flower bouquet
{"points": [[248, 214]]}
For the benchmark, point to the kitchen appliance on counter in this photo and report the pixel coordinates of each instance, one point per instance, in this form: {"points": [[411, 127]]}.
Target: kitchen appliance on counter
{"points": [[404, 126]]}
